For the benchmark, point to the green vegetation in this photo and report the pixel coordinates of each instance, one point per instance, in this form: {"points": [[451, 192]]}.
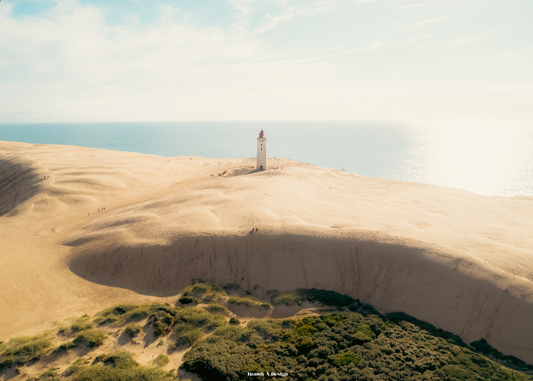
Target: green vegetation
{"points": [[193, 323], [189, 300], [120, 360], [217, 308], [81, 324], [234, 321], [123, 314], [133, 329], [116, 366], [49, 375], [65, 347], [77, 366], [161, 361], [327, 298], [22, 350], [358, 345], [483, 347], [248, 302], [341, 346], [162, 318], [207, 292], [92, 337]]}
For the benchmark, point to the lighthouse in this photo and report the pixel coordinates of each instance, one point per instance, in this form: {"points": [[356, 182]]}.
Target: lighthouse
{"points": [[262, 162]]}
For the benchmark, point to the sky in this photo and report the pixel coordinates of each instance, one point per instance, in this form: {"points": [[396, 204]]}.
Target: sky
{"points": [[176, 60]]}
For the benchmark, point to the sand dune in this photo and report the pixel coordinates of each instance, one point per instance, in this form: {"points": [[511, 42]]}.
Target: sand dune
{"points": [[460, 261]]}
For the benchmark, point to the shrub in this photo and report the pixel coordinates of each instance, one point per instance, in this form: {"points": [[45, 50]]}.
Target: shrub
{"points": [[189, 300], [92, 337], [328, 298], [345, 358], [132, 329], [200, 318], [162, 318], [188, 335], [161, 361], [234, 321]]}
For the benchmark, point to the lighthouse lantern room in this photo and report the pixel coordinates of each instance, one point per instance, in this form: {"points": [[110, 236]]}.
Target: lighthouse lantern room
{"points": [[262, 162]]}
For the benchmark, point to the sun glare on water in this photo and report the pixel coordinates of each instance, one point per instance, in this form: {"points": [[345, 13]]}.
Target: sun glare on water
{"points": [[487, 158]]}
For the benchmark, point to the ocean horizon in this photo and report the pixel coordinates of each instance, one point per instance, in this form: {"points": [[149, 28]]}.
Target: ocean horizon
{"points": [[491, 158]]}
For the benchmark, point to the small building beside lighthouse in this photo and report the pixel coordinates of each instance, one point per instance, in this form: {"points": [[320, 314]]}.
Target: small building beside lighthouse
{"points": [[262, 162]]}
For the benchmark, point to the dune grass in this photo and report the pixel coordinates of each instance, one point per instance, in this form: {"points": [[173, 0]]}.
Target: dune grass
{"points": [[81, 324], [193, 323], [22, 350], [207, 292], [91, 337], [49, 375], [160, 361], [247, 301], [117, 366], [133, 329]]}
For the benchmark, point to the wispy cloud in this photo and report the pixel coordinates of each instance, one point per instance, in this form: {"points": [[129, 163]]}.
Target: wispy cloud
{"points": [[416, 5], [470, 39], [430, 21]]}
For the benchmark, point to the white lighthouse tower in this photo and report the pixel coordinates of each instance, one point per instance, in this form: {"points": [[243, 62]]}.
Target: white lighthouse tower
{"points": [[262, 162]]}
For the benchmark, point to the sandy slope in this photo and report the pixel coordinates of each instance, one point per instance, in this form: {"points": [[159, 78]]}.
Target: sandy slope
{"points": [[461, 261]]}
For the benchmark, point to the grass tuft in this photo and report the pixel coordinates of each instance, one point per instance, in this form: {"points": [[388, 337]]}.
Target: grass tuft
{"points": [[161, 361], [248, 301], [92, 337], [22, 350], [132, 329]]}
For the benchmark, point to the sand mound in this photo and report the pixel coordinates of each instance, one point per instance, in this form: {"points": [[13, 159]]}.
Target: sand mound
{"points": [[460, 261]]}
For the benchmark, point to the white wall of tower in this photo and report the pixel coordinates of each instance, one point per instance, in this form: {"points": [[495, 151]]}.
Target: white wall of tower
{"points": [[262, 160]]}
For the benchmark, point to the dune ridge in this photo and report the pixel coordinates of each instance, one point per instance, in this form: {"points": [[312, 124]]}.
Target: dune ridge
{"points": [[461, 261]]}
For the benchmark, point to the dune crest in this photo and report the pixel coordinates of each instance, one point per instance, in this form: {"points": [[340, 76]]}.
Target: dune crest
{"points": [[460, 261]]}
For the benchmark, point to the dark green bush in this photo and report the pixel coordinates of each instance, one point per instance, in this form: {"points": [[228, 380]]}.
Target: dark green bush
{"points": [[234, 321], [162, 318], [297, 297], [189, 300], [342, 346]]}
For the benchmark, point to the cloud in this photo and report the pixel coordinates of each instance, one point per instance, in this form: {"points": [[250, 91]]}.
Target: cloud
{"points": [[470, 39], [417, 5], [430, 21], [244, 6], [69, 64]]}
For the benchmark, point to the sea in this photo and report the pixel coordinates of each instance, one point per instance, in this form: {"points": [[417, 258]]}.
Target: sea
{"points": [[491, 158]]}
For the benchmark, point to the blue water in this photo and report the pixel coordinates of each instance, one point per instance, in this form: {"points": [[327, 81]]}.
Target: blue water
{"points": [[489, 158]]}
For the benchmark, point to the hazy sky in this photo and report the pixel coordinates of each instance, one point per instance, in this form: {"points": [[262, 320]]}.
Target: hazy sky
{"points": [[131, 60]]}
